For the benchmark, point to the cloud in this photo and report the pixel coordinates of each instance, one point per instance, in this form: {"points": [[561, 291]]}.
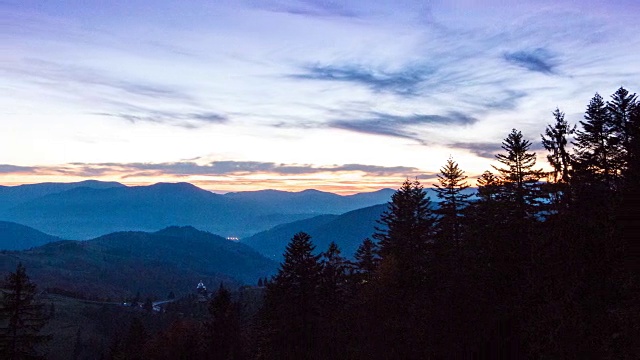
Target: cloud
{"points": [[489, 150], [538, 60], [395, 125], [504, 100], [313, 8], [14, 169], [185, 120], [482, 149], [405, 82], [215, 168], [125, 99], [218, 168], [91, 81]]}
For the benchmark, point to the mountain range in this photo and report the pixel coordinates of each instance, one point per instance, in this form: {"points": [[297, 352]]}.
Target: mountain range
{"points": [[346, 230], [19, 237], [91, 208], [124, 263]]}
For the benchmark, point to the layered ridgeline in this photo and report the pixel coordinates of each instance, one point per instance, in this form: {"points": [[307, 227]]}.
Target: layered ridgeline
{"points": [[124, 263], [88, 209], [19, 237], [346, 230]]}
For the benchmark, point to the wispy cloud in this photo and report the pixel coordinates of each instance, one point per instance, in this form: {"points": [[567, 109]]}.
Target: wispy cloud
{"points": [[502, 100], [404, 82], [184, 120], [215, 168], [73, 77], [125, 99], [489, 150], [538, 60], [218, 168], [482, 149], [315, 8], [13, 169], [397, 125]]}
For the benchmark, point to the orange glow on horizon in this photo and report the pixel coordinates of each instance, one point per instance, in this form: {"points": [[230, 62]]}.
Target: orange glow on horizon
{"points": [[337, 184]]}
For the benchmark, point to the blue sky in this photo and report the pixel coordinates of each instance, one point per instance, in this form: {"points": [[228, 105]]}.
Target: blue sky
{"points": [[337, 95]]}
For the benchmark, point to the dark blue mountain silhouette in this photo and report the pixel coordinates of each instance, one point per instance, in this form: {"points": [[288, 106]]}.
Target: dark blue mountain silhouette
{"points": [[83, 212], [15, 236], [122, 263]]}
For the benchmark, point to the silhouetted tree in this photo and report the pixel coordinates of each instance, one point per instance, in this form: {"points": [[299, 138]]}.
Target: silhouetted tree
{"points": [[520, 187], [555, 141], [405, 236], [291, 308], [621, 108], [332, 298], [224, 338], [366, 261], [596, 146], [334, 274], [402, 293], [450, 191], [22, 317]]}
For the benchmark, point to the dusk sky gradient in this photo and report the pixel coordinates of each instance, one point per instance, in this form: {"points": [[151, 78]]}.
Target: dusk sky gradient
{"points": [[342, 96]]}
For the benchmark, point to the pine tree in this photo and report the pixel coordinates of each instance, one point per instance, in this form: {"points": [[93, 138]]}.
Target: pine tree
{"points": [[488, 187], [22, 317], [404, 279], [224, 338], [366, 261], [405, 236], [332, 297], [334, 274], [554, 140], [621, 108], [453, 201], [596, 146], [519, 179], [291, 307]]}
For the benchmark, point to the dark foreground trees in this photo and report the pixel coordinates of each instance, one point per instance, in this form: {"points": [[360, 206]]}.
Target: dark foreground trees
{"points": [[22, 317], [291, 317], [519, 271], [542, 269]]}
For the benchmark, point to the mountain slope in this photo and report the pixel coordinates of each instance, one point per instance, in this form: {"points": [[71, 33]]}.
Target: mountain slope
{"points": [[309, 201], [15, 236], [121, 264], [271, 243], [87, 212], [11, 196], [347, 230]]}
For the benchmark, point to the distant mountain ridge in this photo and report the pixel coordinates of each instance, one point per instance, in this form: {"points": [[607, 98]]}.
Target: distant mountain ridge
{"points": [[12, 195], [15, 236], [346, 230], [312, 201], [123, 263], [91, 208]]}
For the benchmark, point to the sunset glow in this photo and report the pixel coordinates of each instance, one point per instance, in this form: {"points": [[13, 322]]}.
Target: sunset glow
{"points": [[342, 96]]}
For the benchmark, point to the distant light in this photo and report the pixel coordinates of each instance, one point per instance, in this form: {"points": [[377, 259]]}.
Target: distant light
{"points": [[233, 238]]}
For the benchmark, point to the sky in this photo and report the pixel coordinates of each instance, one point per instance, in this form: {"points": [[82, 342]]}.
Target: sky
{"points": [[342, 96]]}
